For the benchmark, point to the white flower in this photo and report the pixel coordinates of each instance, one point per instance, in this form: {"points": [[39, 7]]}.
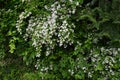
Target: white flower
{"points": [[47, 53], [102, 49], [38, 55], [71, 1], [77, 3]]}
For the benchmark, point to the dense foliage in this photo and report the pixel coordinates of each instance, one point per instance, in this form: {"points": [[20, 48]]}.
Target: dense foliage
{"points": [[59, 40]]}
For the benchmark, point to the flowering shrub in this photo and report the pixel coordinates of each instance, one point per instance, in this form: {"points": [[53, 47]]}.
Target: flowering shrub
{"points": [[51, 30], [63, 39]]}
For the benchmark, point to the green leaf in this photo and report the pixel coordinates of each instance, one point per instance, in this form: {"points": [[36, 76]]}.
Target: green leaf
{"points": [[12, 47], [99, 67], [79, 76]]}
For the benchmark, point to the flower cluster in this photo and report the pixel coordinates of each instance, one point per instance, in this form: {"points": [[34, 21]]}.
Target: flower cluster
{"points": [[101, 59], [19, 23], [49, 31], [104, 60]]}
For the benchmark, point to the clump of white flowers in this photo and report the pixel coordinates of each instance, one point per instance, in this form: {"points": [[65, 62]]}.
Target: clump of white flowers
{"points": [[19, 23], [51, 30], [104, 60]]}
